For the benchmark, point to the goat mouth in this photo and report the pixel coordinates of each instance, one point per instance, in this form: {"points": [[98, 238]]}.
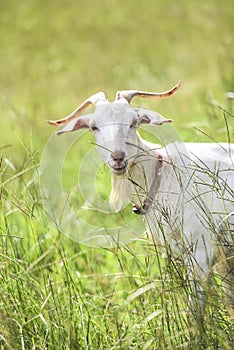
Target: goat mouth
{"points": [[118, 170]]}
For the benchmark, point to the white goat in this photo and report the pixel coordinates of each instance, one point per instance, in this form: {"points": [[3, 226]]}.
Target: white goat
{"points": [[185, 191]]}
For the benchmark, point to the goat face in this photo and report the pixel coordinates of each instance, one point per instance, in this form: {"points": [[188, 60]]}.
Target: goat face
{"points": [[114, 126]]}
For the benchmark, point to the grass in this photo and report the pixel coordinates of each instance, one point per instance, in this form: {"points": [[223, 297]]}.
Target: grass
{"points": [[57, 293]]}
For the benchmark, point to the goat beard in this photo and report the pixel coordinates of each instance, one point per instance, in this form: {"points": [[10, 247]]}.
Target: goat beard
{"points": [[121, 191]]}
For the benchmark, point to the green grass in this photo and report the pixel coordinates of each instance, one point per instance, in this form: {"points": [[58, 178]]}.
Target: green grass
{"points": [[59, 294]]}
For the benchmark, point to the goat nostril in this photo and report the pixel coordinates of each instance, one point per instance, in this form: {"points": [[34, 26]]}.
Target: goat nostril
{"points": [[118, 155]]}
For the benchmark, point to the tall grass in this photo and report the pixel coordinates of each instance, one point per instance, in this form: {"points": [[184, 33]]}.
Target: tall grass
{"points": [[59, 294]]}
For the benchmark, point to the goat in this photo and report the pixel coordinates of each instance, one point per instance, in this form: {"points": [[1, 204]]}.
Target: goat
{"points": [[183, 190]]}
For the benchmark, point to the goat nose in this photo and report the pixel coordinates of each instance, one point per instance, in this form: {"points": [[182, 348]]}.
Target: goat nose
{"points": [[118, 155]]}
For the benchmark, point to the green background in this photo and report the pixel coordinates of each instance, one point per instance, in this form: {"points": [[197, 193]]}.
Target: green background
{"points": [[57, 294]]}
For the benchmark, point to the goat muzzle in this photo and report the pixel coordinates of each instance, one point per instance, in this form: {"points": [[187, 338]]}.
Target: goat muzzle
{"points": [[118, 164]]}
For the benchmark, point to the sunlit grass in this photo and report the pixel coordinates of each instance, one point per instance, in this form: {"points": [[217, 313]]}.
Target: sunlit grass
{"points": [[56, 293]]}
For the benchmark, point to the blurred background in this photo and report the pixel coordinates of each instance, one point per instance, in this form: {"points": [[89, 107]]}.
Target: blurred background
{"points": [[54, 54], [57, 294]]}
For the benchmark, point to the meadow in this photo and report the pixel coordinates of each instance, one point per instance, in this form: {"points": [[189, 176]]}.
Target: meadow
{"points": [[56, 293]]}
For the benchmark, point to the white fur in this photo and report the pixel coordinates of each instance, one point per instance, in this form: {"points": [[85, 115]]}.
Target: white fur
{"points": [[191, 213], [194, 200]]}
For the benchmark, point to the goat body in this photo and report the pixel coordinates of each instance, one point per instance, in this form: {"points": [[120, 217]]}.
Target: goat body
{"points": [[193, 206], [184, 190]]}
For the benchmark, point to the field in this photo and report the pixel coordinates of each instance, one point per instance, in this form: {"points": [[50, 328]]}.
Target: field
{"points": [[56, 293]]}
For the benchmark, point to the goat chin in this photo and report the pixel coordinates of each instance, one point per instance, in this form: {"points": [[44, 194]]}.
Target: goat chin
{"points": [[118, 172]]}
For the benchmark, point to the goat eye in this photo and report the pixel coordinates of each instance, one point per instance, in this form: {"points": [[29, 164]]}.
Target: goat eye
{"points": [[133, 125], [93, 128]]}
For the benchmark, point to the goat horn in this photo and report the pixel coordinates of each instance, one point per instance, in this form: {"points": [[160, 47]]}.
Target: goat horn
{"points": [[129, 94], [92, 100]]}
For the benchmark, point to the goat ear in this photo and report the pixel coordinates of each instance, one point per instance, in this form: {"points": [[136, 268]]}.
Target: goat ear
{"points": [[151, 117], [76, 124]]}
